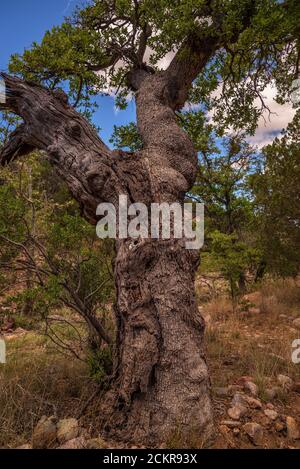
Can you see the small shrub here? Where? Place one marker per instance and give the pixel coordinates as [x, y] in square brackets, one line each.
[100, 364]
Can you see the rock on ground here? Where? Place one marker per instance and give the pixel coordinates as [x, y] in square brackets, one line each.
[67, 429]
[231, 423]
[237, 411]
[221, 392]
[251, 387]
[76, 443]
[285, 382]
[293, 432]
[296, 323]
[96, 443]
[254, 432]
[271, 414]
[273, 392]
[254, 403]
[44, 434]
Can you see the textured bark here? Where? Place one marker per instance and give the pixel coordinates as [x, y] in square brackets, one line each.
[160, 383]
[161, 375]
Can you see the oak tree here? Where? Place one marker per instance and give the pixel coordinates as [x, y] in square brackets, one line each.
[222, 54]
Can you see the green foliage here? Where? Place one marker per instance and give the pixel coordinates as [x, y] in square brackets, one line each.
[8, 123]
[100, 364]
[222, 184]
[127, 137]
[233, 257]
[44, 238]
[12, 213]
[258, 46]
[276, 191]
[101, 34]
[61, 61]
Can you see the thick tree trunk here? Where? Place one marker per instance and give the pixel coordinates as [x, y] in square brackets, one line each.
[161, 378]
[160, 384]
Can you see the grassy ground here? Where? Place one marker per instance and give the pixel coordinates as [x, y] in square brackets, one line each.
[245, 342]
[38, 379]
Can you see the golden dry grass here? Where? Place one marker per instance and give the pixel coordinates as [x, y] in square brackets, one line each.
[36, 381]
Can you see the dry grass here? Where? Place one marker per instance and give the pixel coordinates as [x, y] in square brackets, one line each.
[256, 345]
[280, 296]
[37, 380]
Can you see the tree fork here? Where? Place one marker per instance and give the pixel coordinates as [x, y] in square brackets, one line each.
[160, 383]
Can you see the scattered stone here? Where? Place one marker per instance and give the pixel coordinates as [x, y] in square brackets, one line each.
[285, 382]
[237, 411]
[251, 387]
[254, 297]
[233, 388]
[26, 446]
[243, 379]
[67, 429]
[236, 431]
[223, 429]
[44, 434]
[283, 316]
[269, 405]
[254, 403]
[279, 426]
[231, 423]
[292, 428]
[296, 323]
[271, 414]
[76, 443]
[221, 392]
[84, 433]
[254, 310]
[239, 398]
[96, 443]
[255, 432]
[16, 334]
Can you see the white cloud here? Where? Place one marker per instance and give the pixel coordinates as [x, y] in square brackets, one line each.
[270, 126]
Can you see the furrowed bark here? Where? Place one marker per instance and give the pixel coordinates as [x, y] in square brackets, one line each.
[160, 384]
[161, 379]
[92, 172]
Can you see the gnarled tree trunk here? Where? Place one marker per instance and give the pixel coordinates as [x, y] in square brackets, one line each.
[161, 376]
[161, 382]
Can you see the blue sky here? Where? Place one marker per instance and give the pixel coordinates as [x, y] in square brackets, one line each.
[25, 21]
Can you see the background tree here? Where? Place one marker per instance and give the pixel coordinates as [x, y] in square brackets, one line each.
[276, 191]
[222, 185]
[160, 375]
[46, 245]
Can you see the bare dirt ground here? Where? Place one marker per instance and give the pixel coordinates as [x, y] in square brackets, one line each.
[255, 384]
